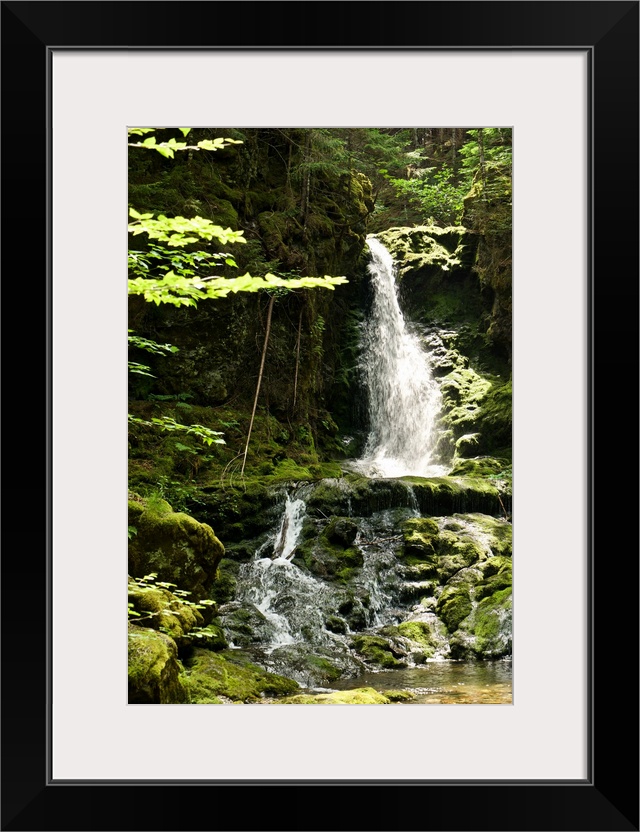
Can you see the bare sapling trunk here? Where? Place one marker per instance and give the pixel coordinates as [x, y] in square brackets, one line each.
[295, 380]
[255, 401]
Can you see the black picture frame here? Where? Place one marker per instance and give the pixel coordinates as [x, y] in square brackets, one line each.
[608, 798]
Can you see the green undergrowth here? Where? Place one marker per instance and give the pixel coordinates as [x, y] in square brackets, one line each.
[177, 465]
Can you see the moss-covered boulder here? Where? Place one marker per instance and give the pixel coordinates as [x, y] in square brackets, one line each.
[419, 535]
[160, 609]
[487, 633]
[456, 599]
[341, 531]
[443, 496]
[328, 550]
[174, 545]
[380, 651]
[155, 674]
[224, 587]
[314, 665]
[245, 624]
[428, 250]
[210, 676]
[492, 625]
[357, 696]
[456, 553]
[496, 576]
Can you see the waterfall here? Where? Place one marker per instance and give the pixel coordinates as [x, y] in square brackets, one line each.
[293, 602]
[404, 397]
[290, 528]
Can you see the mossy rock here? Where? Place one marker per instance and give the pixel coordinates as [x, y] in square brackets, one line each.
[378, 651]
[159, 609]
[245, 625]
[314, 665]
[238, 513]
[456, 553]
[209, 676]
[357, 696]
[400, 695]
[341, 530]
[155, 674]
[492, 625]
[444, 496]
[487, 633]
[497, 532]
[354, 610]
[336, 624]
[454, 605]
[329, 497]
[419, 534]
[177, 547]
[422, 249]
[485, 466]
[330, 554]
[418, 631]
[224, 586]
[497, 576]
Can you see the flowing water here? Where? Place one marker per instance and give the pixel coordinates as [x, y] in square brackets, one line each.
[444, 683]
[404, 397]
[300, 612]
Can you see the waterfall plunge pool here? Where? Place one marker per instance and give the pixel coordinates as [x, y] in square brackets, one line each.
[443, 683]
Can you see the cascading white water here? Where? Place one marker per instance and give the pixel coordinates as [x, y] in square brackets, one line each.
[290, 600]
[404, 397]
[290, 528]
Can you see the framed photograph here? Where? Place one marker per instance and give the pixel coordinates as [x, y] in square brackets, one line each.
[558, 83]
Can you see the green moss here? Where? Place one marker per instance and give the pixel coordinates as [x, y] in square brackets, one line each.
[329, 671]
[175, 546]
[419, 534]
[357, 696]
[399, 695]
[492, 625]
[478, 467]
[455, 553]
[335, 624]
[210, 675]
[422, 247]
[331, 554]
[287, 469]
[376, 650]
[496, 578]
[153, 668]
[443, 496]
[161, 610]
[224, 587]
[341, 531]
[454, 605]
[418, 631]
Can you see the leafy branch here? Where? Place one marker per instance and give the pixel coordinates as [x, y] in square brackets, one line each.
[208, 436]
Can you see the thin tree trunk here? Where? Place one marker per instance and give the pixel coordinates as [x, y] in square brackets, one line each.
[295, 380]
[306, 179]
[483, 170]
[255, 401]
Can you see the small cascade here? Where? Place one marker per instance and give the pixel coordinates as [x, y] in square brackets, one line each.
[404, 397]
[290, 527]
[379, 577]
[293, 603]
